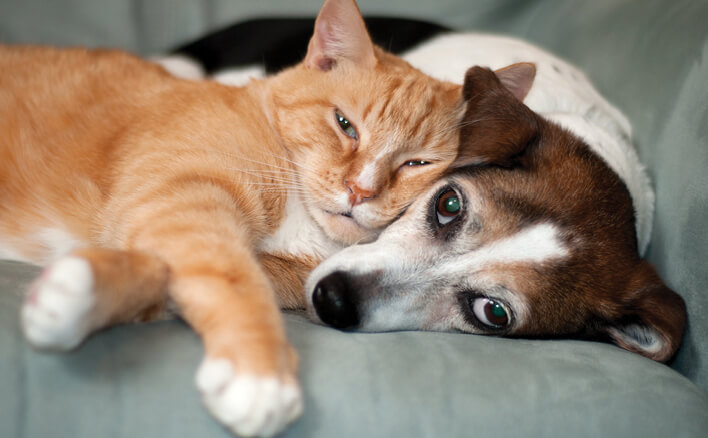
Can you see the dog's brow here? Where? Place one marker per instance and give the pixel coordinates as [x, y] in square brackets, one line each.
[536, 243]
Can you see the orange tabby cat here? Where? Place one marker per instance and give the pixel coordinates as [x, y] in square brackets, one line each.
[145, 192]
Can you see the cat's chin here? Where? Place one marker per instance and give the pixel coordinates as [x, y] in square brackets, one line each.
[345, 229]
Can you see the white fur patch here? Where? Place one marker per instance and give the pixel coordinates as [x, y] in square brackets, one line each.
[57, 312]
[298, 233]
[640, 336]
[394, 314]
[366, 178]
[535, 244]
[342, 200]
[248, 405]
[181, 66]
[239, 77]
[57, 242]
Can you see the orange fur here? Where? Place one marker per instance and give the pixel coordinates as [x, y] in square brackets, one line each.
[169, 188]
[130, 286]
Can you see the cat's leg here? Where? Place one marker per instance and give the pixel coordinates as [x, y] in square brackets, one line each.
[90, 289]
[248, 377]
[288, 274]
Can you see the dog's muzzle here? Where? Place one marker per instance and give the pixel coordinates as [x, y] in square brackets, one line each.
[335, 300]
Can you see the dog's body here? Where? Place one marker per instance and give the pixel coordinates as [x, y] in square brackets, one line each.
[541, 236]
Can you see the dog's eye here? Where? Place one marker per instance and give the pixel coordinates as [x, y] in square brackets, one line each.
[447, 207]
[490, 312]
[345, 125]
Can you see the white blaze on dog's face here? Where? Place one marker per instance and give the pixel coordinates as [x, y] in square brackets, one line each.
[533, 235]
[442, 266]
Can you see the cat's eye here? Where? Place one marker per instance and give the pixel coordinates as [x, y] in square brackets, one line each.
[345, 125]
[448, 206]
[414, 163]
[489, 312]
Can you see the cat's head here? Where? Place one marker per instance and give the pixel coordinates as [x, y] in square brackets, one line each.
[369, 131]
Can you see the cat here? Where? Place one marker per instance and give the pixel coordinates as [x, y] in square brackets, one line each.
[145, 194]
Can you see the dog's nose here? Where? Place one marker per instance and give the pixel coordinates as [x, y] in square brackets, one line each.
[334, 302]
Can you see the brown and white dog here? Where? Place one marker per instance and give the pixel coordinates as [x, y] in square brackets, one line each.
[540, 236]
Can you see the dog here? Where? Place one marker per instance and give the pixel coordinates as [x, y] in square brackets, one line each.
[541, 235]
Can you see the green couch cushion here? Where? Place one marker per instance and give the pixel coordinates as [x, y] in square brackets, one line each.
[137, 381]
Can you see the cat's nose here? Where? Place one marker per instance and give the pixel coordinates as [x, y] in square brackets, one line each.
[357, 195]
[334, 301]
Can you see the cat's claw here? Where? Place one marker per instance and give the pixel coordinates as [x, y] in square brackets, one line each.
[57, 311]
[248, 405]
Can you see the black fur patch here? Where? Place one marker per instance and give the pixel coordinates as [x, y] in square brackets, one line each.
[278, 43]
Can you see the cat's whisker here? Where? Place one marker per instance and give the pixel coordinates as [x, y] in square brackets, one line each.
[274, 177]
[267, 164]
[265, 184]
[251, 160]
[281, 181]
[300, 165]
[265, 172]
[268, 175]
[283, 190]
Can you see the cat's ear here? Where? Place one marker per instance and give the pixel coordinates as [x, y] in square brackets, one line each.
[340, 34]
[653, 318]
[496, 127]
[517, 78]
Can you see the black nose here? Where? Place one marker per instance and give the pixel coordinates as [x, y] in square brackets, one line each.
[334, 301]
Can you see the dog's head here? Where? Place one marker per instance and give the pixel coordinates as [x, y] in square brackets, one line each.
[532, 235]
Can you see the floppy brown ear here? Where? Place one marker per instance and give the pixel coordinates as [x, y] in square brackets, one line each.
[654, 317]
[496, 127]
[340, 33]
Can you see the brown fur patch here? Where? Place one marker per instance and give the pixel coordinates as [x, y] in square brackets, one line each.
[534, 171]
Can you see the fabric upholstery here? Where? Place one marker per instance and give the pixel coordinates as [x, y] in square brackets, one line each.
[137, 381]
[648, 57]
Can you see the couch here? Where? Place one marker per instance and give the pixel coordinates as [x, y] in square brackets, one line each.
[649, 57]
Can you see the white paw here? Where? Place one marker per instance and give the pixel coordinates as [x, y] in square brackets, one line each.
[248, 405]
[57, 311]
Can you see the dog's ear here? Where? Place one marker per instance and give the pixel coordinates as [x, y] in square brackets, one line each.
[340, 33]
[496, 127]
[517, 78]
[653, 319]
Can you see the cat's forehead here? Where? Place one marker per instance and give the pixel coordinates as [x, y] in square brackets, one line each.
[395, 89]
[413, 105]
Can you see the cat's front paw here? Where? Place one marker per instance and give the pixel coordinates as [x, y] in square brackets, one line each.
[248, 405]
[57, 311]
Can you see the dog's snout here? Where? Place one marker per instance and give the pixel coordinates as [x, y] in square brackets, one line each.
[334, 301]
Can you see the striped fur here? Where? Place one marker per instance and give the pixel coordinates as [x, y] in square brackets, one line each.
[176, 191]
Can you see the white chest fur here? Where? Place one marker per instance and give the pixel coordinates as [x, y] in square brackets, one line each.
[298, 234]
